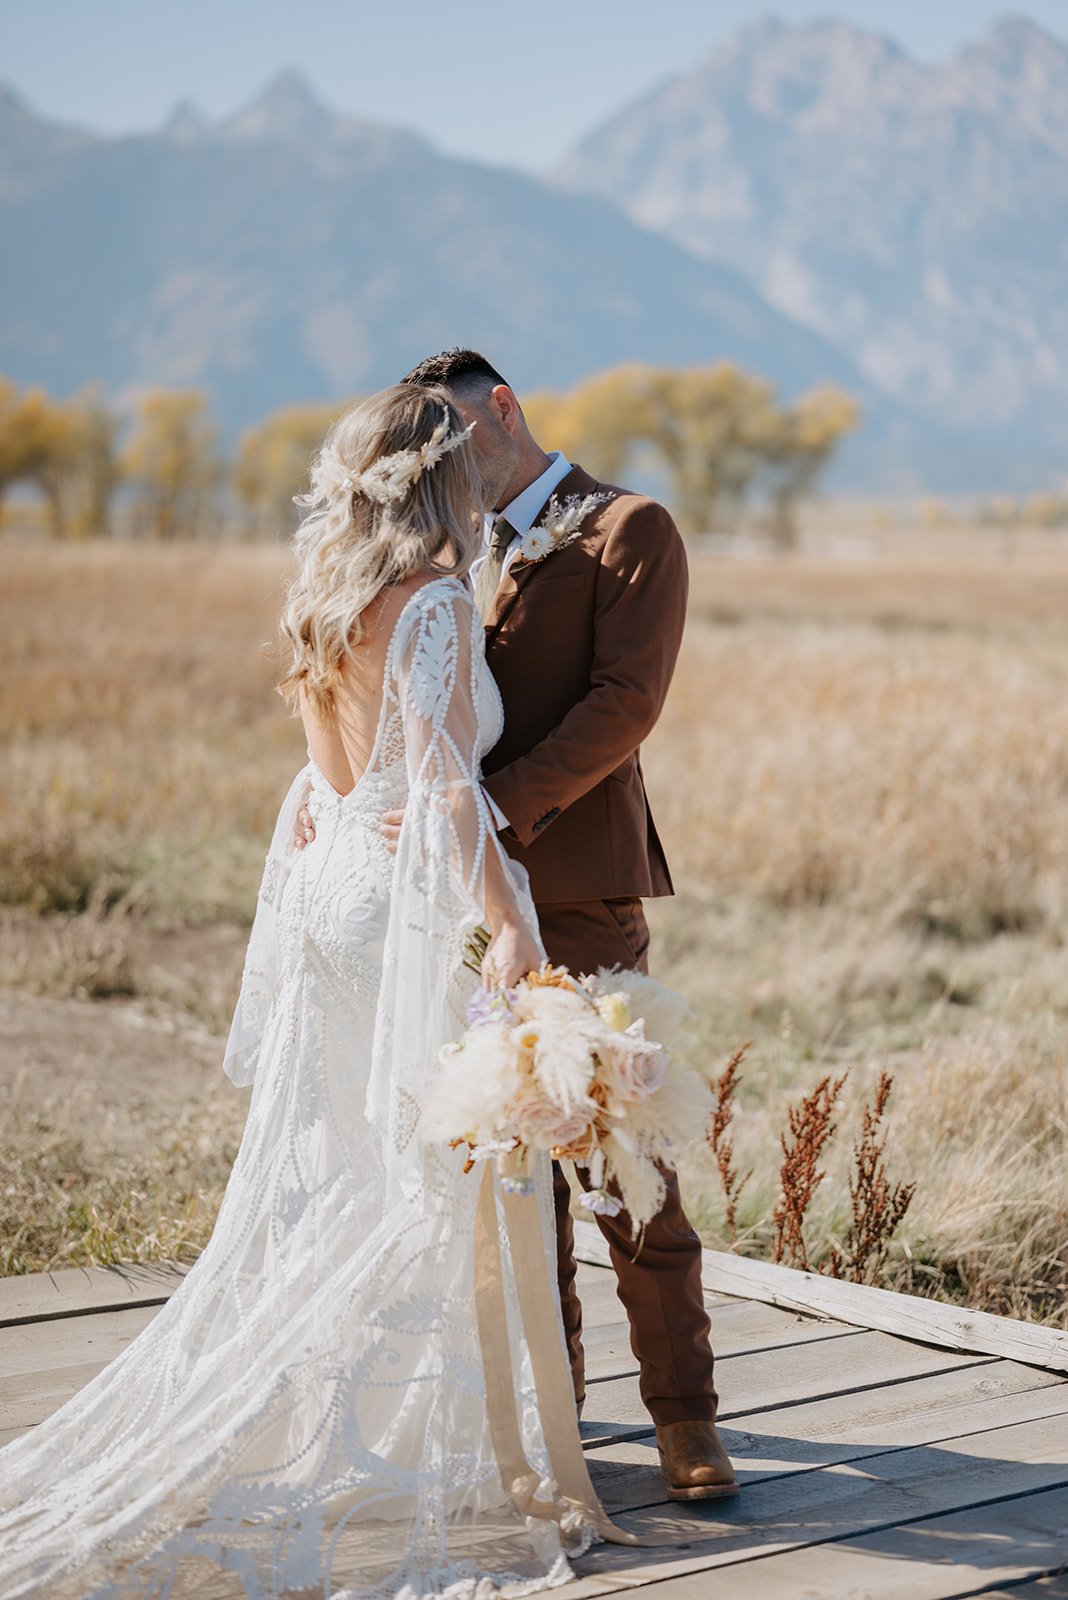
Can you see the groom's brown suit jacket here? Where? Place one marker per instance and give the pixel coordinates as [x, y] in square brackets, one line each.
[583, 645]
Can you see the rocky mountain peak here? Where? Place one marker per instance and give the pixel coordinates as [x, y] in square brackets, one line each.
[826, 56]
[287, 111]
[915, 214]
[26, 137]
[1018, 72]
[186, 123]
[1016, 46]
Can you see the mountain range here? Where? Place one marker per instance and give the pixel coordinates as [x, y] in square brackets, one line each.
[808, 201]
[914, 216]
[288, 254]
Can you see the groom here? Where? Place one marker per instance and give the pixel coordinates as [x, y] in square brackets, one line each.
[583, 643]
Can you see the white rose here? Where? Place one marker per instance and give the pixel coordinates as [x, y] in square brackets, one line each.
[635, 1066]
[541, 1124]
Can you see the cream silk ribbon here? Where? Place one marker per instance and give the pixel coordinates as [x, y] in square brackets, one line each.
[576, 1500]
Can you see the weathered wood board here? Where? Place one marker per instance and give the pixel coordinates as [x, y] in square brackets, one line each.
[872, 1466]
[77, 1291]
[907, 1316]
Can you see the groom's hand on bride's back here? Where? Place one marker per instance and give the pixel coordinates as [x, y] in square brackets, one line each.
[389, 826]
[303, 827]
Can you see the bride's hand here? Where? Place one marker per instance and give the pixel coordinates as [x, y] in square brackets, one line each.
[513, 952]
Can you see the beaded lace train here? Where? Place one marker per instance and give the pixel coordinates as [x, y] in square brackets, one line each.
[306, 1416]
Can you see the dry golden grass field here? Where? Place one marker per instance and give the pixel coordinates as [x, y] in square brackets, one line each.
[862, 779]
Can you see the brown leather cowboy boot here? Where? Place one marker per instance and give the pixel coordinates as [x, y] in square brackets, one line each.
[694, 1461]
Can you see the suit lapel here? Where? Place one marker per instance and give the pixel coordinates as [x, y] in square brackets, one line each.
[508, 592]
[518, 572]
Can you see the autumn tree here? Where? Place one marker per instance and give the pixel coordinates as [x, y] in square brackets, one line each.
[65, 449]
[273, 460]
[30, 434]
[598, 422]
[97, 473]
[80, 473]
[719, 433]
[798, 447]
[171, 461]
[1043, 509]
[714, 426]
[546, 414]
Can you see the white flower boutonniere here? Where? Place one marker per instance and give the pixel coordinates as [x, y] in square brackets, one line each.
[561, 523]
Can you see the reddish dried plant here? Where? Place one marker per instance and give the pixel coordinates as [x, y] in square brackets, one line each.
[722, 1144]
[878, 1207]
[811, 1124]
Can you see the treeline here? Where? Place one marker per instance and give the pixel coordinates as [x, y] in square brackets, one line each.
[717, 437]
[158, 474]
[1043, 509]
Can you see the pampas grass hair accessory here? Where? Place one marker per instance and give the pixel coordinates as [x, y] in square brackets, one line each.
[390, 477]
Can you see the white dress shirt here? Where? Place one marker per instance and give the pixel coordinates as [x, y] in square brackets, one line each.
[520, 512]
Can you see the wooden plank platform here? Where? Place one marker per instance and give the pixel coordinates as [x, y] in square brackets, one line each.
[872, 1464]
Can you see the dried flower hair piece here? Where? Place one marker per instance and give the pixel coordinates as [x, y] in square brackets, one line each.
[390, 477]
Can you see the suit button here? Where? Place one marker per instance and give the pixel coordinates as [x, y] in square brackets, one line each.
[543, 822]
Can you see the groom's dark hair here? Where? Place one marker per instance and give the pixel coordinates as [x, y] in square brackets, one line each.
[462, 372]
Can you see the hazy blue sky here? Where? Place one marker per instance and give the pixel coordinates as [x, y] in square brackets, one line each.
[485, 78]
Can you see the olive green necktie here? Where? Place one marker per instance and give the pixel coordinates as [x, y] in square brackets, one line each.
[489, 574]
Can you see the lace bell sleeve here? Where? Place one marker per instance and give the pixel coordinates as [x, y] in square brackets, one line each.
[450, 866]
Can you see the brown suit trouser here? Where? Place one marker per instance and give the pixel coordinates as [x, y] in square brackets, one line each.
[661, 1290]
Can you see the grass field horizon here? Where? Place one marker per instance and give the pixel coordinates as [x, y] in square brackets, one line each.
[861, 778]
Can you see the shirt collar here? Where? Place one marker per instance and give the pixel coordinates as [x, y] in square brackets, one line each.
[521, 511]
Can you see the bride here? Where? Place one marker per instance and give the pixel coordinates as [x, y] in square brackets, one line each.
[307, 1416]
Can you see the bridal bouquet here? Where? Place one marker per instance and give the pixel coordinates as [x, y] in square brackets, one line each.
[587, 1069]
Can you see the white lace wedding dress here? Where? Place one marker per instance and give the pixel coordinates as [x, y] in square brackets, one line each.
[307, 1414]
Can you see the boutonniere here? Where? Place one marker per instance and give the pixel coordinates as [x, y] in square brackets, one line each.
[561, 523]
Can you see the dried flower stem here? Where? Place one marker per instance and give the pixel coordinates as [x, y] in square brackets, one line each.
[721, 1145]
[811, 1124]
[475, 950]
[878, 1207]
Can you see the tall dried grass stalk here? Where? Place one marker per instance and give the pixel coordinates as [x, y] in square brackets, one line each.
[878, 1206]
[722, 1145]
[811, 1124]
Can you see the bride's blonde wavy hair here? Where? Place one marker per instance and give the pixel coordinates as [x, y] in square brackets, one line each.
[366, 529]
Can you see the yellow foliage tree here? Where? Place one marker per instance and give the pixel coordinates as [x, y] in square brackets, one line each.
[598, 422]
[64, 448]
[97, 471]
[800, 445]
[171, 461]
[714, 427]
[273, 460]
[1044, 509]
[717, 431]
[546, 414]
